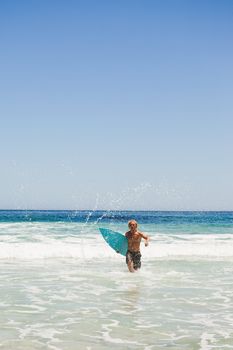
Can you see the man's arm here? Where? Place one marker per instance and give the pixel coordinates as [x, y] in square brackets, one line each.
[145, 237]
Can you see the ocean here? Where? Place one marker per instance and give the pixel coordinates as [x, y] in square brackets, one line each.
[63, 288]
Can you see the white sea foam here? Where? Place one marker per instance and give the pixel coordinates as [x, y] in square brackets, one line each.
[72, 240]
[202, 246]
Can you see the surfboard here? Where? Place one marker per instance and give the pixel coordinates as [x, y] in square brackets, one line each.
[115, 240]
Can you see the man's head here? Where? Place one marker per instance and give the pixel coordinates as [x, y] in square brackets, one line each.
[132, 224]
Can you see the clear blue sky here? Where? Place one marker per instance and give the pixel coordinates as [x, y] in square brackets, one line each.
[116, 104]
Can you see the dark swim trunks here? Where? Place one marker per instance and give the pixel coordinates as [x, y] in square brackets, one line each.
[135, 257]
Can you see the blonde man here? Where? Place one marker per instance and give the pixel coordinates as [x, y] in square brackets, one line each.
[133, 255]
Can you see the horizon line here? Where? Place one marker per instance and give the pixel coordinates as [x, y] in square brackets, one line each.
[125, 210]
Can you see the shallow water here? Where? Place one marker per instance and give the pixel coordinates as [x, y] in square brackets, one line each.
[62, 287]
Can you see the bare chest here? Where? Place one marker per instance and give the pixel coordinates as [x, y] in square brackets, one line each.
[134, 238]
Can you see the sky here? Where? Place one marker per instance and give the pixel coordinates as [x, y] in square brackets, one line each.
[116, 104]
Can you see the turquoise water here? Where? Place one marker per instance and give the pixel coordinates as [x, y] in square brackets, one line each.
[62, 287]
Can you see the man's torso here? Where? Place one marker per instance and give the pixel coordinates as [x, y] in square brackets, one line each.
[134, 240]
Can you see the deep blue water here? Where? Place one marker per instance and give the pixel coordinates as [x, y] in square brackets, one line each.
[215, 218]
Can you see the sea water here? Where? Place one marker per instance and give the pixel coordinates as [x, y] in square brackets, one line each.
[62, 287]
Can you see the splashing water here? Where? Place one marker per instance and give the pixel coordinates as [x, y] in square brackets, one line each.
[61, 285]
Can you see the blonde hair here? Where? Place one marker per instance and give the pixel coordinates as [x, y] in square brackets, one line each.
[132, 222]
